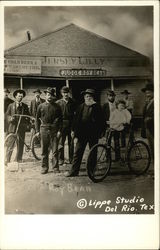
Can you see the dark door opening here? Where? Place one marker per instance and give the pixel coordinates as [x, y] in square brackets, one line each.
[78, 86]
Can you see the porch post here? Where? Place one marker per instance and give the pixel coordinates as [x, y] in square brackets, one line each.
[112, 84]
[67, 83]
[21, 83]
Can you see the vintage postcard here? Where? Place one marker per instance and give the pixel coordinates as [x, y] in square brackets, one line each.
[80, 124]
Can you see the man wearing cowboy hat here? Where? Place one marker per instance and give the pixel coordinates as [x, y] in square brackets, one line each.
[148, 116]
[49, 125]
[129, 103]
[110, 105]
[35, 102]
[7, 101]
[88, 126]
[68, 109]
[17, 107]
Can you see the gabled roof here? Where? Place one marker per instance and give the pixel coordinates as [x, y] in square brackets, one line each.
[72, 40]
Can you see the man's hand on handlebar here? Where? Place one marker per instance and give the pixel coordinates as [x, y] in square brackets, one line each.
[13, 118]
[38, 134]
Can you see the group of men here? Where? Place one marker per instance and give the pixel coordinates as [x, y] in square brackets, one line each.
[56, 120]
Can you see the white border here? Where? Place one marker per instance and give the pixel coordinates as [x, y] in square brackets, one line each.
[84, 231]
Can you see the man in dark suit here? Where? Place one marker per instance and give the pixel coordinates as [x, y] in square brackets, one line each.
[148, 116]
[88, 126]
[7, 101]
[49, 126]
[17, 107]
[35, 102]
[68, 109]
[110, 105]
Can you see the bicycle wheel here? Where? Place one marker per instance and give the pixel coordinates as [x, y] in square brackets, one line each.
[10, 145]
[139, 157]
[98, 163]
[36, 147]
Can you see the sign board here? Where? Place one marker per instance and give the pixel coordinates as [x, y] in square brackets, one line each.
[83, 72]
[74, 61]
[22, 66]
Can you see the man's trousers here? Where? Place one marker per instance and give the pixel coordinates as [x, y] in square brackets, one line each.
[49, 143]
[79, 151]
[66, 133]
[20, 146]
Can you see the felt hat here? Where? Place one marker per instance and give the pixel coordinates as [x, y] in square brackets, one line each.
[125, 92]
[65, 89]
[50, 90]
[37, 90]
[111, 92]
[149, 86]
[21, 91]
[88, 91]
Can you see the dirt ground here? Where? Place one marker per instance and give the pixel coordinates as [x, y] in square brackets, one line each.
[29, 192]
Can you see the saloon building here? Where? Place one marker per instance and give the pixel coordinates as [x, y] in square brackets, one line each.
[80, 59]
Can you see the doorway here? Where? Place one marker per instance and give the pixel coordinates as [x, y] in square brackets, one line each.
[77, 86]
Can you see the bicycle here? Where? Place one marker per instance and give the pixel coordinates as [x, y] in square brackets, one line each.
[11, 141]
[137, 156]
[36, 147]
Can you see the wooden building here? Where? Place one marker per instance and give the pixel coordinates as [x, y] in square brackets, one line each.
[80, 59]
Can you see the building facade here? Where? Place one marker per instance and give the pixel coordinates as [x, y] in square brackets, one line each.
[80, 59]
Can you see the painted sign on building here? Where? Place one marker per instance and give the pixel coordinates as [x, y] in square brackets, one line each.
[73, 61]
[83, 72]
[22, 66]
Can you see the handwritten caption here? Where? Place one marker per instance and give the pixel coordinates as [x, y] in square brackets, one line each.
[68, 188]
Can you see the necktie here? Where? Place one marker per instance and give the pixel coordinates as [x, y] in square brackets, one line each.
[19, 108]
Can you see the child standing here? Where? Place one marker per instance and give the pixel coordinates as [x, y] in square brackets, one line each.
[118, 119]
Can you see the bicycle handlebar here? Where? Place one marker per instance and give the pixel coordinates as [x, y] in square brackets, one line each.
[27, 116]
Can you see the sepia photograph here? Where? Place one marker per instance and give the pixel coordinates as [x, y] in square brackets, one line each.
[79, 125]
[79, 110]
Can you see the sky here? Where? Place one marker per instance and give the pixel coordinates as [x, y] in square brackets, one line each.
[131, 26]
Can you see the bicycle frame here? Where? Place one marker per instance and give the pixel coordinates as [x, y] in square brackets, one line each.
[131, 140]
[28, 147]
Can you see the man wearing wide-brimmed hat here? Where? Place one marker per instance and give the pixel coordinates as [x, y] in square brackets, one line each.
[128, 101]
[35, 102]
[20, 108]
[87, 127]
[7, 101]
[68, 108]
[110, 105]
[148, 116]
[49, 126]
